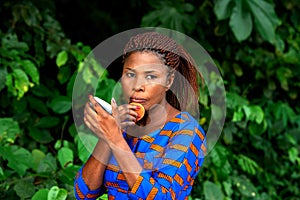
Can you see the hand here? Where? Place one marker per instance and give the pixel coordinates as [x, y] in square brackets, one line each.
[104, 125]
[124, 114]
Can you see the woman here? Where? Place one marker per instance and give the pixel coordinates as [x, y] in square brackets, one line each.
[159, 156]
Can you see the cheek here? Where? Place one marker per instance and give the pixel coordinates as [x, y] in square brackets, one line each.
[125, 86]
[157, 91]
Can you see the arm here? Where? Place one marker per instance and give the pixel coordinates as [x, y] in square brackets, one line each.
[89, 180]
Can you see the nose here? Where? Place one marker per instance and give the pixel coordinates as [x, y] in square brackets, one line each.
[139, 85]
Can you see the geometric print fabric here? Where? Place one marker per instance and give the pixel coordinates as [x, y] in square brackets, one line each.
[171, 159]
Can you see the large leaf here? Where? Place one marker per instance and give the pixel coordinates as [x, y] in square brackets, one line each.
[41, 135]
[47, 122]
[41, 194]
[21, 82]
[61, 104]
[212, 191]
[171, 15]
[25, 188]
[254, 113]
[265, 18]
[222, 9]
[57, 193]
[240, 21]
[19, 159]
[30, 68]
[65, 156]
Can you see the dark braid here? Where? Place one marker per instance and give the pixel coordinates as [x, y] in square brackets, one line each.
[183, 94]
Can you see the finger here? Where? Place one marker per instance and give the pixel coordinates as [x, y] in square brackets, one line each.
[90, 117]
[98, 108]
[127, 110]
[128, 118]
[115, 111]
[127, 124]
[126, 107]
[90, 110]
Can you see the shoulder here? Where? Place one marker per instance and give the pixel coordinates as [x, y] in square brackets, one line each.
[184, 120]
[185, 123]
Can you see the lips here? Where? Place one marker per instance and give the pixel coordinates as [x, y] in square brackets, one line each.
[137, 100]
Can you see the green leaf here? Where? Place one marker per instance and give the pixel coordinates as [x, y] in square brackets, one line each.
[64, 74]
[212, 191]
[293, 154]
[237, 116]
[61, 104]
[41, 194]
[21, 82]
[65, 157]
[47, 165]
[171, 15]
[19, 159]
[218, 156]
[37, 156]
[67, 174]
[30, 15]
[61, 58]
[42, 91]
[47, 122]
[228, 188]
[254, 113]
[237, 69]
[234, 101]
[284, 74]
[40, 135]
[265, 18]
[283, 112]
[10, 41]
[247, 164]
[222, 9]
[25, 188]
[240, 21]
[57, 193]
[257, 129]
[245, 187]
[38, 105]
[9, 130]
[30, 68]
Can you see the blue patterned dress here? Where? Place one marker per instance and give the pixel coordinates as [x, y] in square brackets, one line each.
[171, 158]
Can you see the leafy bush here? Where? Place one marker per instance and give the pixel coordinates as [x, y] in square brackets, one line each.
[255, 45]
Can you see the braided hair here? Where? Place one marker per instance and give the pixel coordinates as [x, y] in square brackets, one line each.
[183, 94]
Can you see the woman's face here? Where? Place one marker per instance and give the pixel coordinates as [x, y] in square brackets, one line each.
[145, 79]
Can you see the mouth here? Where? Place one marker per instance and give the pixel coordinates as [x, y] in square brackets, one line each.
[137, 100]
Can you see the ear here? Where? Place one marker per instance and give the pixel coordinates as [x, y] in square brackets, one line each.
[170, 79]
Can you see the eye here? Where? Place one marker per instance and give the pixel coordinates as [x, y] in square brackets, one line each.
[150, 77]
[130, 75]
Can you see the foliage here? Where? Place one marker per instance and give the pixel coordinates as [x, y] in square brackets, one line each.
[254, 43]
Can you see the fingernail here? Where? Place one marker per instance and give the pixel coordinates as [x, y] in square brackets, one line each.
[113, 100]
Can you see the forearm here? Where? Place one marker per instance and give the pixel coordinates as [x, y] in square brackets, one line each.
[127, 161]
[93, 170]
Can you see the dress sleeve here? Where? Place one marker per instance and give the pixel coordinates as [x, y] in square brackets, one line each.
[82, 191]
[176, 168]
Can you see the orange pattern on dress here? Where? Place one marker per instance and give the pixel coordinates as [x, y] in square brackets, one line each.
[172, 162]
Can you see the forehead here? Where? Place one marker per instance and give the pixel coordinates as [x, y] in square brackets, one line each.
[144, 61]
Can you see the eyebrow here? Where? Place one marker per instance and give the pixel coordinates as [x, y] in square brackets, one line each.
[147, 72]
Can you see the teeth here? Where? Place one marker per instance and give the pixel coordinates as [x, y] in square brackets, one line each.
[106, 106]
